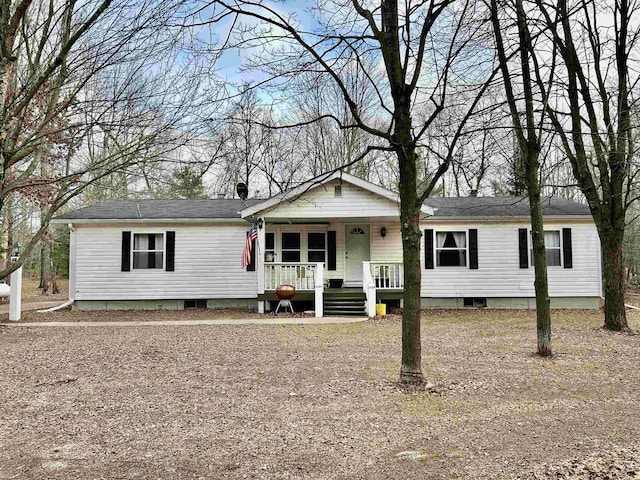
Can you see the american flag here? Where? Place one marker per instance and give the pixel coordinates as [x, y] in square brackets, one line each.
[252, 234]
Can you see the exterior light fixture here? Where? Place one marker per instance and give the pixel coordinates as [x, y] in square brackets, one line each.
[383, 232]
[260, 223]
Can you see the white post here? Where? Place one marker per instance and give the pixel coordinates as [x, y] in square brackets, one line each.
[260, 246]
[15, 297]
[72, 262]
[369, 289]
[319, 290]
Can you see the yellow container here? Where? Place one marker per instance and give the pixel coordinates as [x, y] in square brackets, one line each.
[381, 309]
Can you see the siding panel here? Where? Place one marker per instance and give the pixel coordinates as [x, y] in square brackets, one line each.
[500, 274]
[207, 265]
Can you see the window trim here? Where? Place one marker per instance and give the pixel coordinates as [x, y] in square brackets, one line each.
[163, 251]
[436, 249]
[559, 248]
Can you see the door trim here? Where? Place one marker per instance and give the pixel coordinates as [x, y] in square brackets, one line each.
[344, 250]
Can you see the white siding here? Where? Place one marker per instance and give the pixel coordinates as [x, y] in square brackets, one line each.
[207, 262]
[207, 265]
[389, 248]
[499, 273]
[321, 202]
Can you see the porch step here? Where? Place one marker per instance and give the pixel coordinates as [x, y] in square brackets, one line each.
[346, 304]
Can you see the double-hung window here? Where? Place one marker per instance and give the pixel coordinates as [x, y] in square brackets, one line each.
[316, 247]
[270, 247]
[451, 249]
[552, 246]
[291, 246]
[148, 251]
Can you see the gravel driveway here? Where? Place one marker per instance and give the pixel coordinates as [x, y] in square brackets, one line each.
[320, 402]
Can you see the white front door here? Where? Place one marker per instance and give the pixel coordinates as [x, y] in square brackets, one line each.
[356, 250]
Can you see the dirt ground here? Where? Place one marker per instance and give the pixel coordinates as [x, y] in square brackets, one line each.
[31, 292]
[320, 402]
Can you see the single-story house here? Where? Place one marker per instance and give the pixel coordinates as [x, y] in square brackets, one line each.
[337, 239]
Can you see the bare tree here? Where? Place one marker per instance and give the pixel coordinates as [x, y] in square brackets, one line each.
[597, 84]
[418, 47]
[54, 59]
[528, 130]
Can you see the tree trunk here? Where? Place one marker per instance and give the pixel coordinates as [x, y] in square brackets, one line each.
[543, 314]
[52, 269]
[615, 316]
[411, 370]
[43, 267]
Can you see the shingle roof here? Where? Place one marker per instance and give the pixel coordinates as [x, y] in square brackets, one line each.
[501, 206]
[230, 208]
[161, 209]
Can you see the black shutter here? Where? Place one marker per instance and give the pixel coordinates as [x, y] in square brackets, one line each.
[171, 251]
[126, 252]
[473, 248]
[567, 251]
[331, 250]
[252, 262]
[428, 248]
[524, 247]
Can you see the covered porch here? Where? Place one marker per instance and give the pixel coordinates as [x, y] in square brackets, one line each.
[328, 260]
[329, 235]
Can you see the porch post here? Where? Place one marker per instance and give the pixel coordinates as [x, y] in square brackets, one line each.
[15, 296]
[319, 290]
[369, 288]
[260, 246]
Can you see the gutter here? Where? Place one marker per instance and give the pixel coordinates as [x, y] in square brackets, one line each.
[172, 221]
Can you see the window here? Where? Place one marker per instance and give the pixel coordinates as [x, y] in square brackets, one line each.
[291, 247]
[316, 247]
[451, 249]
[356, 231]
[552, 245]
[474, 302]
[148, 250]
[270, 247]
[337, 191]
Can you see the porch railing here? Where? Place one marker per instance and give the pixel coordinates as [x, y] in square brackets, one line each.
[387, 275]
[300, 275]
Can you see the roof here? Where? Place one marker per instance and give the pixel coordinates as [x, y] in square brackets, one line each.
[294, 193]
[502, 207]
[225, 208]
[203, 209]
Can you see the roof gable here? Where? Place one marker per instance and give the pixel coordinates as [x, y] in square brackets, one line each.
[316, 198]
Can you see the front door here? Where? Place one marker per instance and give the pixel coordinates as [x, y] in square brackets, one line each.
[356, 250]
